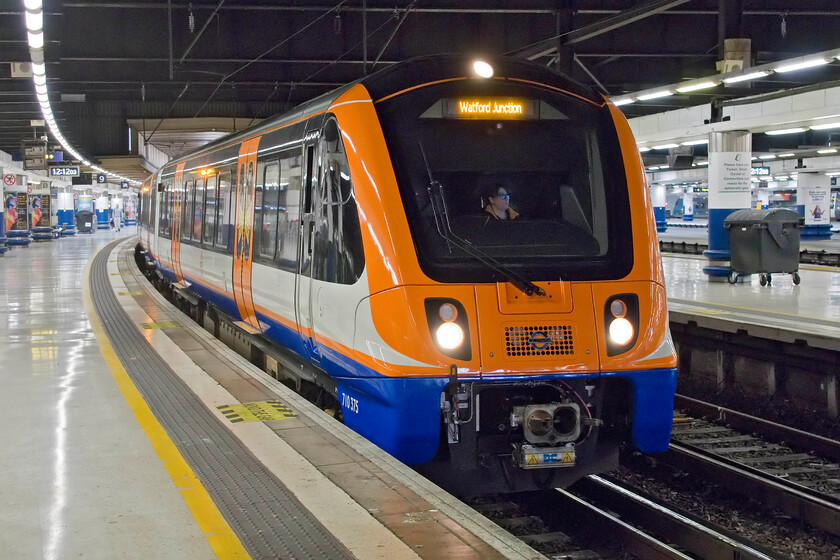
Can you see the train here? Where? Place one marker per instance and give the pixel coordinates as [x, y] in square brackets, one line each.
[458, 255]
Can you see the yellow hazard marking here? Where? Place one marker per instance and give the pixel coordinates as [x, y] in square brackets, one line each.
[256, 411]
[160, 325]
[221, 538]
[532, 460]
[132, 293]
[712, 311]
[567, 457]
[120, 273]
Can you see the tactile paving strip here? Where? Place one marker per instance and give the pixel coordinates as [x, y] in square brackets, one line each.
[268, 519]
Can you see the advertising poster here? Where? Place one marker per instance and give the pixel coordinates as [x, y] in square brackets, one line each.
[85, 204]
[10, 208]
[21, 218]
[40, 205]
[817, 206]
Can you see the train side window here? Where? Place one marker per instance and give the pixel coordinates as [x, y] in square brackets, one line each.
[288, 211]
[198, 209]
[211, 196]
[153, 196]
[187, 210]
[225, 227]
[270, 203]
[165, 212]
[340, 255]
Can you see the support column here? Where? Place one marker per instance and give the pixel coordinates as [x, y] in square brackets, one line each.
[729, 190]
[813, 200]
[688, 204]
[102, 209]
[657, 195]
[66, 214]
[764, 197]
[3, 247]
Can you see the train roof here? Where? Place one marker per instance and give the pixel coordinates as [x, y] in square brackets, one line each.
[405, 75]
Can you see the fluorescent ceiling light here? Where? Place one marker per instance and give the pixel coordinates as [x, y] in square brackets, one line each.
[802, 65]
[620, 102]
[41, 89]
[695, 87]
[32, 4]
[664, 166]
[767, 156]
[696, 142]
[827, 151]
[665, 146]
[753, 158]
[656, 95]
[702, 163]
[39, 80]
[652, 167]
[791, 154]
[36, 40]
[643, 149]
[784, 131]
[39, 69]
[825, 126]
[34, 20]
[745, 77]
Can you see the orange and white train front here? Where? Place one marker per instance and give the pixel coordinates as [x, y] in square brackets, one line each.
[533, 339]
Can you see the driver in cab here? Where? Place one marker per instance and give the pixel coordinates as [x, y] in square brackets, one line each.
[498, 203]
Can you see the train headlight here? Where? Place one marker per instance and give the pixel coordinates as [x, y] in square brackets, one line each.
[449, 336]
[621, 331]
[621, 321]
[449, 327]
[483, 69]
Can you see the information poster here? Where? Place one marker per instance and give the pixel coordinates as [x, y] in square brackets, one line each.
[729, 180]
[21, 222]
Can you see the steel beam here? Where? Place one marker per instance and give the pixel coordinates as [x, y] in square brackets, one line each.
[605, 25]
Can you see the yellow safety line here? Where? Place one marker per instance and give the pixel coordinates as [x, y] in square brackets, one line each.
[219, 535]
[701, 303]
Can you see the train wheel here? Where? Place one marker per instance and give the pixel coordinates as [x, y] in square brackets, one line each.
[762, 279]
[796, 279]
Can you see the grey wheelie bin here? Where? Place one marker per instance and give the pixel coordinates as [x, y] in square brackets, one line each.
[763, 242]
[84, 221]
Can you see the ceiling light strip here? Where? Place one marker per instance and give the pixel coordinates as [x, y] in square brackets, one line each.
[34, 17]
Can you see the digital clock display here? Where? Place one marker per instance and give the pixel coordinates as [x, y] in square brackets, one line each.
[64, 171]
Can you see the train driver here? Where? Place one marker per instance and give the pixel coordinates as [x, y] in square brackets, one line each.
[498, 202]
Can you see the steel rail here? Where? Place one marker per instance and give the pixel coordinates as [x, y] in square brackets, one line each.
[805, 441]
[793, 499]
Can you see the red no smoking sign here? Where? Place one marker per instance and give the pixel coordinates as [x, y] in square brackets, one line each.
[9, 180]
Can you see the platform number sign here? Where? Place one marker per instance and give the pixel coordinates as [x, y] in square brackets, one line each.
[9, 180]
[101, 178]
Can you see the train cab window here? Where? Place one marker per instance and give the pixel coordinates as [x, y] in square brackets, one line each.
[288, 211]
[556, 156]
[210, 204]
[270, 203]
[198, 209]
[338, 254]
[224, 229]
[187, 210]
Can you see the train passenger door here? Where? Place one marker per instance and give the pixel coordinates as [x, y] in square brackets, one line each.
[304, 280]
[175, 221]
[243, 232]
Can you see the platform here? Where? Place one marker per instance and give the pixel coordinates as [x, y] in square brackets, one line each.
[781, 311]
[131, 432]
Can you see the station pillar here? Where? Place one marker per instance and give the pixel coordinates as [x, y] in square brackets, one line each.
[813, 200]
[102, 206]
[3, 247]
[729, 190]
[657, 195]
[66, 213]
[763, 198]
[688, 204]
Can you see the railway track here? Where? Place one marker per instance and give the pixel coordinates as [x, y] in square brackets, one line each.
[793, 471]
[600, 517]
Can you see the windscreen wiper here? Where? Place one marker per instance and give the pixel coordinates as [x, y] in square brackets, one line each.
[441, 214]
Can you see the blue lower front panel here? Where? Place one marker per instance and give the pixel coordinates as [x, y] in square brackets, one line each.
[653, 407]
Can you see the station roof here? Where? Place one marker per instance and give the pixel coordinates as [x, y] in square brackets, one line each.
[111, 62]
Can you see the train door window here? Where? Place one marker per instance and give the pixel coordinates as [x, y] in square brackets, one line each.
[210, 198]
[270, 203]
[288, 211]
[198, 209]
[187, 210]
[153, 196]
[257, 228]
[339, 253]
[225, 225]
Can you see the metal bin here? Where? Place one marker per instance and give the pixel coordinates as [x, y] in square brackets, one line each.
[763, 242]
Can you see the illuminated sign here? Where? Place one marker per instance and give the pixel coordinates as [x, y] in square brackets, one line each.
[491, 108]
[759, 171]
[64, 171]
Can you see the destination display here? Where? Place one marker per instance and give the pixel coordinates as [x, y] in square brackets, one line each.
[491, 108]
